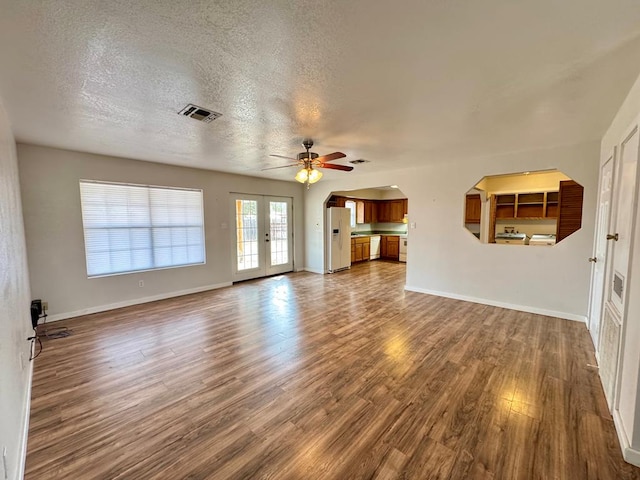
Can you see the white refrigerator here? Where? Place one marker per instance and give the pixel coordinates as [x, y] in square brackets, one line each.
[339, 238]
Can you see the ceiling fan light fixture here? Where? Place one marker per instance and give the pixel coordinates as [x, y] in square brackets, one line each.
[302, 176]
[314, 175]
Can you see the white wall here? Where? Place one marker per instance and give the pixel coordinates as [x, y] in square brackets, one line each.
[55, 242]
[444, 258]
[629, 400]
[15, 369]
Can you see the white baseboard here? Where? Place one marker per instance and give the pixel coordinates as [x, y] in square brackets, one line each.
[510, 306]
[135, 301]
[314, 270]
[27, 415]
[630, 455]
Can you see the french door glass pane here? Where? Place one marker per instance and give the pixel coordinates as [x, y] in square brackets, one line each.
[247, 234]
[278, 233]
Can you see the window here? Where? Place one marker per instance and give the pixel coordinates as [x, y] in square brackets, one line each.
[128, 228]
[350, 204]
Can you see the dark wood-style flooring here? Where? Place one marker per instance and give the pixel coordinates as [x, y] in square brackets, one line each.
[307, 376]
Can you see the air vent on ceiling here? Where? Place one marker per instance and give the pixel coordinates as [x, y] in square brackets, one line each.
[359, 161]
[199, 113]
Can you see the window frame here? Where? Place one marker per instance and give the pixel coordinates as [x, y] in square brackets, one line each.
[352, 219]
[150, 227]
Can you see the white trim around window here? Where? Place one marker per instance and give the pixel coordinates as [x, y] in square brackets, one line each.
[132, 228]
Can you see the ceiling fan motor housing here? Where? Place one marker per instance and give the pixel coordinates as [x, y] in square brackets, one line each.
[307, 156]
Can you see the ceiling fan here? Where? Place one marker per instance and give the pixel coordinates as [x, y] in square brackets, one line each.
[309, 162]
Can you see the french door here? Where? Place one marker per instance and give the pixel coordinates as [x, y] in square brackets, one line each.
[262, 235]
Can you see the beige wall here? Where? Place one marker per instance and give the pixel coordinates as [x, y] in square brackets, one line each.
[444, 258]
[55, 240]
[15, 368]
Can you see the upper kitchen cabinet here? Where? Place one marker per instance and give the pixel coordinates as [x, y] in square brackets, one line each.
[472, 208]
[336, 201]
[392, 211]
[373, 205]
[366, 211]
[530, 208]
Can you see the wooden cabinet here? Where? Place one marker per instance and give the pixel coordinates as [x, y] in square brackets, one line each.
[506, 205]
[370, 212]
[336, 201]
[383, 211]
[360, 214]
[391, 211]
[569, 209]
[473, 206]
[551, 210]
[366, 211]
[396, 208]
[393, 248]
[374, 211]
[360, 249]
[530, 205]
[526, 206]
[390, 247]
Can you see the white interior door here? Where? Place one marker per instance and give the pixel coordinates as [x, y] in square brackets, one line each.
[613, 367]
[262, 235]
[601, 248]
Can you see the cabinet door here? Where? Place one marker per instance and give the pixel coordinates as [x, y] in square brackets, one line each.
[368, 211]
[383, 247]
[472, 208]
[383, 211]
[353, 250]
[396, 210]
[569, 209]
[366, 250]
[393, 248]
[374, 212]
[358, 252]
[360, 212]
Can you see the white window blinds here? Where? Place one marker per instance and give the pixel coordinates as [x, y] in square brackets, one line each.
[128, 228]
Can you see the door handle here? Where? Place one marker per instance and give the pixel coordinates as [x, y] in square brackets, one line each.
[593, 259]
[612, 236]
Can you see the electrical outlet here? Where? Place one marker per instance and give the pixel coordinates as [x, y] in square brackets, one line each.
[45, 306]
[141, 283]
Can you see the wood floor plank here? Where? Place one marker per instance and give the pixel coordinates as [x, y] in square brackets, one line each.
[343, 376]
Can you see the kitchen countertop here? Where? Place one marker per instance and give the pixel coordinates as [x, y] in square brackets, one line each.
[375, 234]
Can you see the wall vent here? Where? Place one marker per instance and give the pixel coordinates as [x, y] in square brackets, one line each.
[199, 113]
[618, 285]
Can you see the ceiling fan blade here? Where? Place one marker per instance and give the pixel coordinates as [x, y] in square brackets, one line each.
[330, 157]
[344, 168]
[281, 166]
[282, 156]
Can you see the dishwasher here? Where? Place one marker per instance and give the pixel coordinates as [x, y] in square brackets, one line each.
[374, 247]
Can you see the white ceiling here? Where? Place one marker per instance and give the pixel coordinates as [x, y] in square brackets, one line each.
[397, 83]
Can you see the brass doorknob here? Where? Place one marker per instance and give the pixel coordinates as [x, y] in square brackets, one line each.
[612, 236]
[593, 259]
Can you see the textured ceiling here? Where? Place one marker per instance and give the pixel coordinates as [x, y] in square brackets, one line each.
[397, 83]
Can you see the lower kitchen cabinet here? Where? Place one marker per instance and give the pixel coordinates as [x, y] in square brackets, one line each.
[390, 247]
[360, 249]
